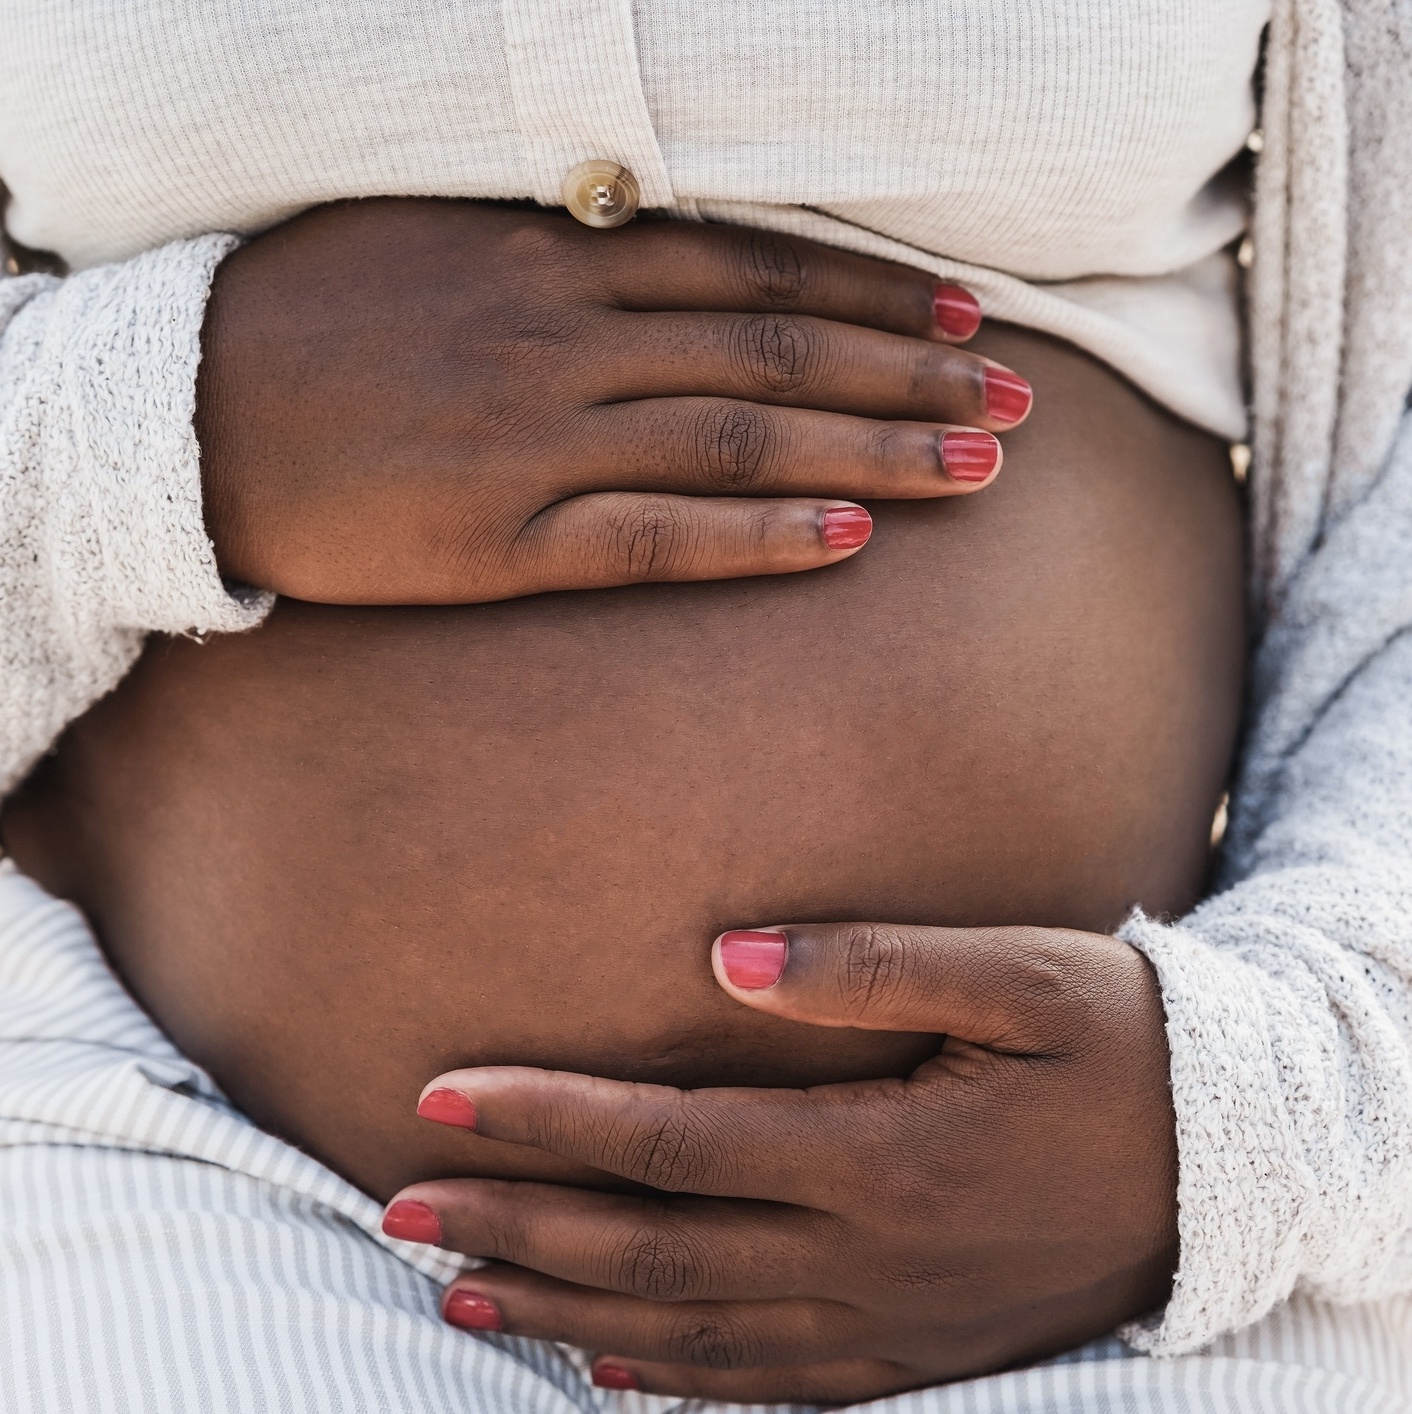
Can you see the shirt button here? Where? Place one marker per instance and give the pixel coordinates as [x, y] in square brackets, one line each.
[600, 193]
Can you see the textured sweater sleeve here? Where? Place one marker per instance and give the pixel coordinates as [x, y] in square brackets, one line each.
[101, 531]
[1289, 991]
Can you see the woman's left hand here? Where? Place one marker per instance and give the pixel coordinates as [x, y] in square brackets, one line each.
[1012, 1198]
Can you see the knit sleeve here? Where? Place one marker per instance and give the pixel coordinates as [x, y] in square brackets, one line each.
[1289, 991]
[101, 531]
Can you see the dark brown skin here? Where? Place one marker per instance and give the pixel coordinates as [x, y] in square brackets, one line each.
[436, 402]
[904, 1233]
[359, 848]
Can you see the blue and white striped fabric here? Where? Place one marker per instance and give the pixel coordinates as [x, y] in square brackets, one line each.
[160, 1254]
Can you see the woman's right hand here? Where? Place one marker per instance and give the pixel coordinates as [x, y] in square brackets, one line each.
[406, 401]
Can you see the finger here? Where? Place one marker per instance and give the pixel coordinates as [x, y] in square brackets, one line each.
[659, 1250]
[778, 1145]
[833, 1383]
[716, 1335]
[610, 538]
[807, 362]
[716, 446]
[1028, 990]
[735, 268]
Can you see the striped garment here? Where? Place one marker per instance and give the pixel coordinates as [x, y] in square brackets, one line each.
[159, 1254]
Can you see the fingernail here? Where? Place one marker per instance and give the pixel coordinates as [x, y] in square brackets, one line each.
[846, 527]
[607, 1375]
[969, 456]
[472, 1311]
[753, 961]
[958, 315]
[1007, 395]
[448, 1107]
[412, 1222]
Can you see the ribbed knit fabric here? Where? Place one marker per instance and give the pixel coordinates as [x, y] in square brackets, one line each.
[129, 122]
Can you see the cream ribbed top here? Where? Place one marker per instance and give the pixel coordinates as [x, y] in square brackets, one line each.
[1060, 157]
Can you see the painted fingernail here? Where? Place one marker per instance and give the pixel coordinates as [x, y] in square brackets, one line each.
[472, 1311]
[846, 527]
[958, 315]
[969, 456]
[607, 1375]
[753, 961]
[412, 1222]
[448, 1107]
[1007, 395]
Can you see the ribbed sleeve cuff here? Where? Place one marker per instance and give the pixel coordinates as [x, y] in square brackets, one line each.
[1238, 1193]
[132, 522]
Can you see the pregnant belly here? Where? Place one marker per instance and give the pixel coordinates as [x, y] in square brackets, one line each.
[359, 847]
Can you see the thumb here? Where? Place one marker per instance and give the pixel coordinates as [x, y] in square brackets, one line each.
[1012, 989]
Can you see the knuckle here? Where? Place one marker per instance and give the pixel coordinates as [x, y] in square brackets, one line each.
[531, 339]
[530, 324]
[1043, 976]
[874, 968]
[460, 538]
[932, 368]
[735, 445]
[565, 1124]
[1049, 983]
[659, 1265]
[1063, 992]
[885, 451]
[713, 1340]
[916, 1276]
[670, 1153]
[772, 270]
[501, 1228]
[778, 352]
[526, 355]
[543, 245]
[650, 540]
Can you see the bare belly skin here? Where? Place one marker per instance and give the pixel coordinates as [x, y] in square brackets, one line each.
[358, 847]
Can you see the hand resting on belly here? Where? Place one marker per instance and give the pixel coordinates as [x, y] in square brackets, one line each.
[363, 846]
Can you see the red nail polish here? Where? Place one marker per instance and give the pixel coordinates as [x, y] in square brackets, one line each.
[606, 1375]
[958, 315]
[753, 961]
[412, 1222]
[448, 1107]
[1007, 395]
[846, 527]
[969, 456]
[472, 1311]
